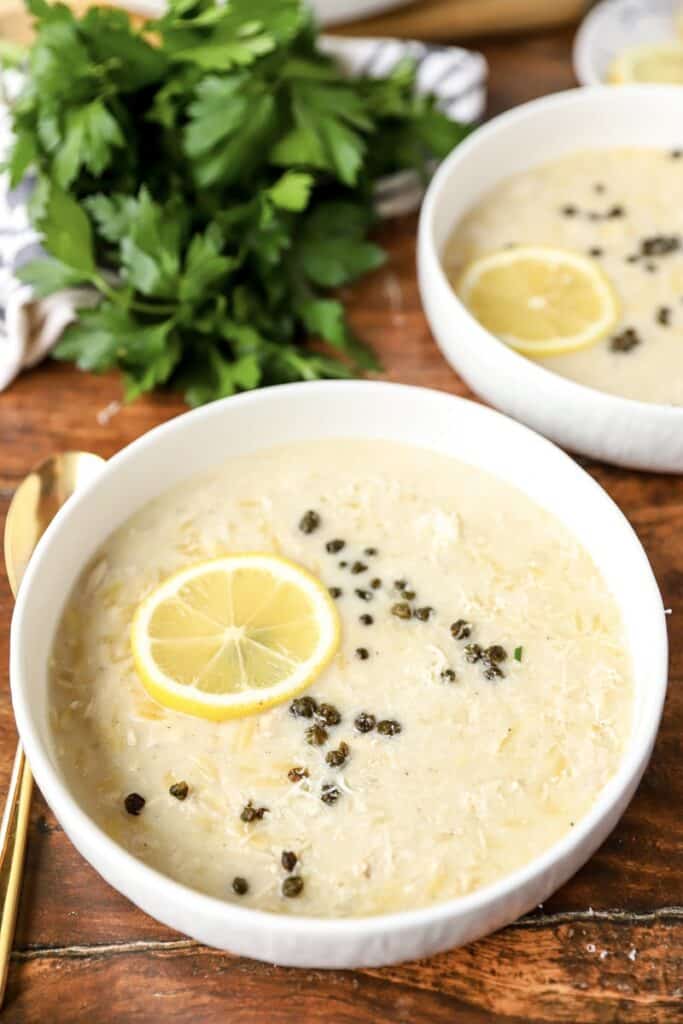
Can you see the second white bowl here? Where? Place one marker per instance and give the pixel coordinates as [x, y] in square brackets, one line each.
[315, 411]
[639, 435]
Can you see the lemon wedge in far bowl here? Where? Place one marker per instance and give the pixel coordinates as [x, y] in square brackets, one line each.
[651, 62]
[233, 636]
[539, 300]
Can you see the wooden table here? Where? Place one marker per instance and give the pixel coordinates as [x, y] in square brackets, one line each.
[607, 947]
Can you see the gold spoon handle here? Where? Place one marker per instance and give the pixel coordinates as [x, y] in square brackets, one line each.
[14, 846]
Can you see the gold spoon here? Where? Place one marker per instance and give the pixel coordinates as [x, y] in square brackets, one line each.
[36, 502]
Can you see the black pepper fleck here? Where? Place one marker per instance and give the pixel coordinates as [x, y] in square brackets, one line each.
[309, 522]
[240, 886]
[330, 793]
[615, 212]
[448, 675]
[297, 773]
[595, 251]
[362, 653]
[569, 210]
[371, 552]
[179, 790]
[366, 620]
[333, 546]
[358, 567]
[364, 595]
[376, 583]
[336, 592]
[473, 653]
[288, 860]
[134, 803]
[664, 316]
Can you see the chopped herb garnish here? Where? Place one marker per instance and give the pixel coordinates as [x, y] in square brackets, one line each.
[518, 653]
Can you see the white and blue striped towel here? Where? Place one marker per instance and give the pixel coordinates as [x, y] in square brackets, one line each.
[29, 328]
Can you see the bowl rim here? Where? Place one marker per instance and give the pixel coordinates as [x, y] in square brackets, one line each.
[59, 796]
[492, 350]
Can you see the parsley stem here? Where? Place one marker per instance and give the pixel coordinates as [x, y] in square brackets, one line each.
[136, 305]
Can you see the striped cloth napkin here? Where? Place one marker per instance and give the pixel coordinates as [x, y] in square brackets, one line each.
[29, 328]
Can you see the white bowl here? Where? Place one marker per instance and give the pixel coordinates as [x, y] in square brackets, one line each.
[201, 439]
[629, 433]
[614, 25]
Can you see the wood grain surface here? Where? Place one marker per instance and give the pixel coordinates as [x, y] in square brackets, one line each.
[608, 947]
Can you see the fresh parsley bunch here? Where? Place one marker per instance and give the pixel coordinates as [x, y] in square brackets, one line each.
[211, 175]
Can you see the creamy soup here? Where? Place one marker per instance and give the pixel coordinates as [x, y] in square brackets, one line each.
[492, 758]
[623, 208]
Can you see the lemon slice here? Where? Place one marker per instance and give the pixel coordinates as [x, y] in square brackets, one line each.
[540, 301]
[233, 636]
[651, 62]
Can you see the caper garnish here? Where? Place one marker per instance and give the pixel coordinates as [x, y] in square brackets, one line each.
[401, 610]
[303, 707]
[424, 614]
[495, 653]
[389, 727]
[250, 813]
[328, 714]
[493, 672]
[288, 860]
[316, 735]
[292, 886]
[364, 722]
[309, 522]
[461, 629]
[336, 758]
[134, 803]
[473, 652]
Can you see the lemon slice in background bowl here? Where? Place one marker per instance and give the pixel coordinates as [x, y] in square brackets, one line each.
[652, 62]
[233, 636]
[539, 300]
